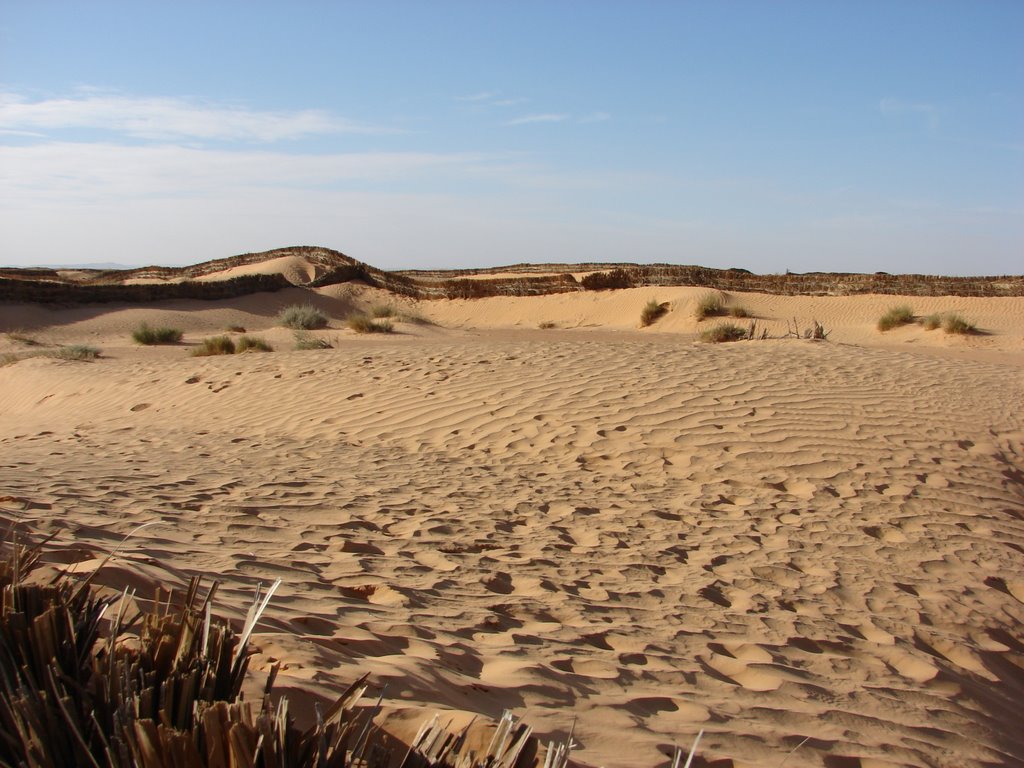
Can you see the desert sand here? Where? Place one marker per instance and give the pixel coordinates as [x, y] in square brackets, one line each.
[813, 551]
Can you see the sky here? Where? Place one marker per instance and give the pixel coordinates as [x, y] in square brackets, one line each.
[854, 136]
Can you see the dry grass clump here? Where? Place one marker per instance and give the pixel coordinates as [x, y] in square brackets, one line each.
[382, 310]
[950, 322]
[252, 344]
[307, 341]
[235, 329]
[414, 318]
[363, 324]
[144, 334]
[303, 317]
[74, 352]
[23, 338]
[216, 345]
[896, 317]
[709, 305]
[546, 325]
[652, 312]
[714, 304]
[954, 323]
[727, 332]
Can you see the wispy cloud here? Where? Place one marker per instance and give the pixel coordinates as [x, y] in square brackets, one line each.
[595, 117]
[167, 119]
[480, 96]
[93, 172]
[548, 117]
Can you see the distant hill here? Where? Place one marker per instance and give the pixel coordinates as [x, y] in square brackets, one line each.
[313, 267]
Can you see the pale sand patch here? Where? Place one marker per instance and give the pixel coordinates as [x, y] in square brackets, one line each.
[767, 540]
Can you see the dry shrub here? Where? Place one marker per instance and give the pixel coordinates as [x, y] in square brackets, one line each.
[252, 344]
[144, 334]
[547, 325]
[74, 352]
[895, 317]
[727, 332]
[216, 345]
[738, 312]
[235, 329]
[303, 317]
[363, 324]
[382, 310]
[652, 312]
[954, 323]
[307, 341]
[932, 322]
[709, 305]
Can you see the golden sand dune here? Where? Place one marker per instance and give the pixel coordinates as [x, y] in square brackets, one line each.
[780, 542]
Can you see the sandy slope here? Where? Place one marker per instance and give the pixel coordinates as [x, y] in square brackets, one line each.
[769, 541]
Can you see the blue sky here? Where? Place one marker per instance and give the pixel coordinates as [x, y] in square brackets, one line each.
[837, 136]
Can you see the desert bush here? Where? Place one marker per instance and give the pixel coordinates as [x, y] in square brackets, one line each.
[363, 324]
[652, 312]
[709, 305]
[306, 341]
[382, 310]
[932, 322]
[216, 345]
[75, 352]
[144, 334]
[738, 312]
[252, 344]
[895, 317]
[546, 325]
[415, 318]
[953, 323]
[23, 338]
[726, 332]
[235, 329]
[304, 317]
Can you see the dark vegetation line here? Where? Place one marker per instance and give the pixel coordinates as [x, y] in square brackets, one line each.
[95, 286]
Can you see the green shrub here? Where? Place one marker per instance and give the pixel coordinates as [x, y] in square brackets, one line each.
[252, 344]
[932, 322]
[895, 317]
[709, 305]
[651, 312]
[738, 312]
[304, 317]
[304, 341]
[726, 332]
[216, 345]
[953, 323]
[363, 324]
[146, 335]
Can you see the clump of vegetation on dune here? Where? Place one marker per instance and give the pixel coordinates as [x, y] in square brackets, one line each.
[727, 332]
[364, 324]
[252, 344]
[303, 317]
[146, 335]
[307, 341]
[216, 345]
[652, 312]
[950, 322]
[896, 317]
[74, 352]
[715, 304]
